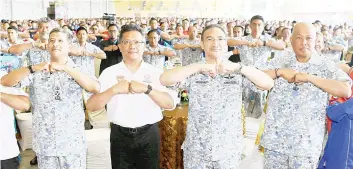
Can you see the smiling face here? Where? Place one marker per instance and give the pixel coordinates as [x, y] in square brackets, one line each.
[132, 45]
[214, 43]
[58, 45]
[82, 36]
[303, 39]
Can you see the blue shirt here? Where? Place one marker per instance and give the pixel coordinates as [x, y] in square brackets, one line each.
[339, 148]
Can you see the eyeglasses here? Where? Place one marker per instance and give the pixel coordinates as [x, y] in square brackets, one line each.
[113, 31]
[135, 42]
[212, 40]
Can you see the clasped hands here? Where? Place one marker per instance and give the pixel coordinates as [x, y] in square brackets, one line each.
[49, 67]
[126, 87]
[220, 67]
[256, 43]
[292, 76]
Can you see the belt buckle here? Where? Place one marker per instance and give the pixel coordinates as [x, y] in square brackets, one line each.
[133, 130]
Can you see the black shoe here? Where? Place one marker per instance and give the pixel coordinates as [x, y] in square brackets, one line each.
[34, 161]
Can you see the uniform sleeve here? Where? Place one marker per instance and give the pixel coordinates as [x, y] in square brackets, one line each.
[335, 73]
[90, 74]
[27, 81]
[158, 86]
[249, 84]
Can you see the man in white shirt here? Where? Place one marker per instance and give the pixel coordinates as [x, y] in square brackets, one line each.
[134, 97]
[11, 98]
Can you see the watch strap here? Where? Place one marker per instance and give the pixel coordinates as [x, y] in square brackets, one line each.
[149, 89]
[30, 69]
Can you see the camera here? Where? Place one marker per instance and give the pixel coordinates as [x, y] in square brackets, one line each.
[109, 17]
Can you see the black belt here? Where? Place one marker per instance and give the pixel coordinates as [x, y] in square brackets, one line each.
[134, 130]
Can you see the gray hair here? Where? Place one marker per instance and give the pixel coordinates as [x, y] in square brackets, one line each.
[42, 21]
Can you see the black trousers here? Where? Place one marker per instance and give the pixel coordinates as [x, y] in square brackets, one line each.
[11, 163]
[135, 148]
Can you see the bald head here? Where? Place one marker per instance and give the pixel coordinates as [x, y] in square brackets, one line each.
[303, 39]
[303, 27]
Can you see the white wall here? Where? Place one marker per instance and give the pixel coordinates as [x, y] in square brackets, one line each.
[23, 9]
[89, 8]
[306, 10]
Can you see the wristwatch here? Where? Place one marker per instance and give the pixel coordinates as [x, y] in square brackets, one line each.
[30, 69]
[149, 89]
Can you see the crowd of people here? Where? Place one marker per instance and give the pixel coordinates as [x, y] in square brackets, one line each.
[134, 67]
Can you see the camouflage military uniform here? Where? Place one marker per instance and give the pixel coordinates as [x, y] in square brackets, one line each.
[189, 55]
[214, 132]
[257, 57]
[58, 119]
[295, 122]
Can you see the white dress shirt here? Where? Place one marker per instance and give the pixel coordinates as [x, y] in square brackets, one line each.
[8, 142]
[133, 110]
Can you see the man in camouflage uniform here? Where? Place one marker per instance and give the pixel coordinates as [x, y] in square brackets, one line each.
[214, 132]
[255, 55]
[155, 53]
[295, 122]
[56, 99]
[190, 48]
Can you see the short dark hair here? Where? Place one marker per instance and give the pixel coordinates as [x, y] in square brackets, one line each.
[110, 25]
[153, 30]
[239, 26]
[60, 30]
[210, 27]
[81, 28]
[129, 28]
[152, 19]
[13, 22]
[13, 28]
[257, 17]
[185, 20]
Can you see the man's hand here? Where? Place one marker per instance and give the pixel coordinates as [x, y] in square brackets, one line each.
[259, 43]
[40, 45]
[235, 51]
[149, 53]
[252, 44]
[227, 67]
[75, 51]
[41, 67]
[209, 69]
[301, 78]
[287, 74]
[122, 87]
[137, 87]
[115, 47]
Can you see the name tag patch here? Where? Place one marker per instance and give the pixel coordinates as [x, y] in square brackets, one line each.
[230, 82]
[201, 82]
